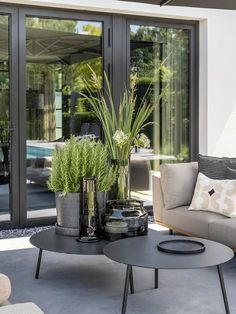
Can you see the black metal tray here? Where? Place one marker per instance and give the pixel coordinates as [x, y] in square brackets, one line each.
[182, 246]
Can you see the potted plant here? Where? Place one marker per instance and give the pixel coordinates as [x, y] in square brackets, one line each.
[121, 127]
[69, 165]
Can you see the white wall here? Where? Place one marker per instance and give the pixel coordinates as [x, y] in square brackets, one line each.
[217, 121]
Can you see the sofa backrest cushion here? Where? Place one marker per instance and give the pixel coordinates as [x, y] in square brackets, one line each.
[178, 183]
[215, 167]
[231, 173]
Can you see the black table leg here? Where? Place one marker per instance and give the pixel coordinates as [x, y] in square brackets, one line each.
[38, 264]
[156, 278]
[222, 283]
[126, 288]
[131, 281]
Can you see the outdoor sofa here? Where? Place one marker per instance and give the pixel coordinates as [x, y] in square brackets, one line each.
[19, 308]
[173, 190]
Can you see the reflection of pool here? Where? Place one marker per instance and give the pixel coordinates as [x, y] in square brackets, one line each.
[36, 151]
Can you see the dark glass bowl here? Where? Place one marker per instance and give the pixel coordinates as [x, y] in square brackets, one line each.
[125, 218]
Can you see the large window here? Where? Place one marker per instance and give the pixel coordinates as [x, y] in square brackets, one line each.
[160, 64]
[46, 57]
[60, 54]
[4, 119]
[159, 58]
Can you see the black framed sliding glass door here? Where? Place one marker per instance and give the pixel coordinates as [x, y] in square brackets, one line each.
[45, 56]
[162, 61]
[9, 198]
[59, 55]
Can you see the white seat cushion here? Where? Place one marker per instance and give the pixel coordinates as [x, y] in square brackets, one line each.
[21, 308]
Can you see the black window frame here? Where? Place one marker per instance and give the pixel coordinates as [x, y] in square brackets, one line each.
[116, 45]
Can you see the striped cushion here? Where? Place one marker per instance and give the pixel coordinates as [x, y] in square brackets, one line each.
[215, 167]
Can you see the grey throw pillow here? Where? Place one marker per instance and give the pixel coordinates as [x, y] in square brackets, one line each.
[178, 183]
[215, 167]
[231, 173]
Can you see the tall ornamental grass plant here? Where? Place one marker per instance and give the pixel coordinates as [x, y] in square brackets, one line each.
[121, 126]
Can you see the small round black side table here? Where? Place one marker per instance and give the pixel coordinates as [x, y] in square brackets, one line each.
[143, 252]
[48, 240]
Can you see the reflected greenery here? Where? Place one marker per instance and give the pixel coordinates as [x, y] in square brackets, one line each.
[4, 78]
[160, 58]
[55, 75]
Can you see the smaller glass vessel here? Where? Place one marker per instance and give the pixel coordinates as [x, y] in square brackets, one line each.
[89, 216]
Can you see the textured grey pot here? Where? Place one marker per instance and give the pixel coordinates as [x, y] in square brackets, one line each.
[68, 213]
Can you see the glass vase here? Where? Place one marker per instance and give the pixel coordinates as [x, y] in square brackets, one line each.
[123, 180]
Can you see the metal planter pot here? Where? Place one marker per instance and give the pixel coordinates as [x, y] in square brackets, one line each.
[68, 212]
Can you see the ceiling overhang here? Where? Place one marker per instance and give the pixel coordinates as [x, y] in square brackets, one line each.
[210, 4]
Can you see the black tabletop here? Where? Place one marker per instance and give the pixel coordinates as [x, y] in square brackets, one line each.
[50, 241]
[143, 252]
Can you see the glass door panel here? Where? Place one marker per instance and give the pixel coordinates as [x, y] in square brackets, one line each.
[159, 58]
[5, 130]
[60, 53]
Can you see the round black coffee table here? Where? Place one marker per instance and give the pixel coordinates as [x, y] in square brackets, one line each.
[143, 252]
[48, 240]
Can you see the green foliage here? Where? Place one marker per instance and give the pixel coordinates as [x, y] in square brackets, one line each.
[51, 24]
[78, 159]
[126, 120]
[93, 29]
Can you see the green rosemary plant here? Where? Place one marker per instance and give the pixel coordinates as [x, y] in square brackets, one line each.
[78, 159]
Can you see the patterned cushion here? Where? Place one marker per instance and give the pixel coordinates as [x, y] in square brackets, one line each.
[218, 196]
[214, 167]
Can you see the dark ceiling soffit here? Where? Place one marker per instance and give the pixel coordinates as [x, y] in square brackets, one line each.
[209, 4]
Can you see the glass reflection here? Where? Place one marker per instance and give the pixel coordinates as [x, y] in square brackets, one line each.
[159, 58]
[4, 120]
[60, 54]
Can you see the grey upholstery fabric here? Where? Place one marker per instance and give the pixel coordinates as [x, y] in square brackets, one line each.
[194, 222]
[223, 231]
[214, 167]
[178, 183]
[158, 203]
[21, 308]
[231, 173]
[199, 223]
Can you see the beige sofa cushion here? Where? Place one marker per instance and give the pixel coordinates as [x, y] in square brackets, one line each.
[178, 183]
[223, 231]
[21, 308]
[158, 204]
[5, 288]
[192, 222]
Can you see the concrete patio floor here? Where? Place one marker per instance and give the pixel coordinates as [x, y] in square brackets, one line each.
[87, 284]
